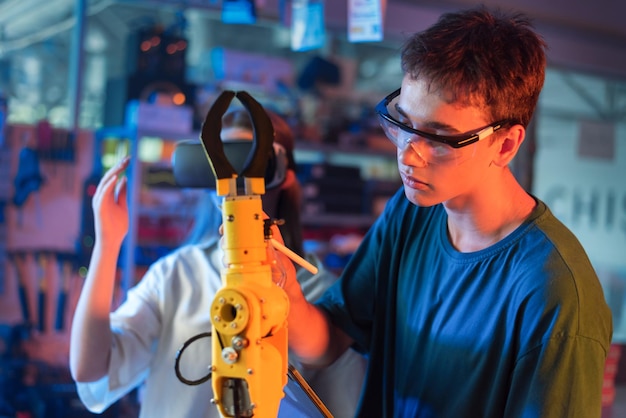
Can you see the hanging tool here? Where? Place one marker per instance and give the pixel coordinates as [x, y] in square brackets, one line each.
[18, 261]
[65, 273]
[42, 264]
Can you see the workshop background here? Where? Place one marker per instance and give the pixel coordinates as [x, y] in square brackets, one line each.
[83, 82]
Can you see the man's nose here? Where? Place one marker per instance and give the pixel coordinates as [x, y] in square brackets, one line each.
[414, 153]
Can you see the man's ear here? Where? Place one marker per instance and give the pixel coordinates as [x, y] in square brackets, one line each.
[509, 143]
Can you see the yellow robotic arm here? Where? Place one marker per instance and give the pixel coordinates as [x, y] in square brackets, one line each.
[249, 312]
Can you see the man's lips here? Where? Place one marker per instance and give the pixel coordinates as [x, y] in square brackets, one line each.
[413, 182]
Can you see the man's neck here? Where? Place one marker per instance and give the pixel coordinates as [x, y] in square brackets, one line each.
[489, 218]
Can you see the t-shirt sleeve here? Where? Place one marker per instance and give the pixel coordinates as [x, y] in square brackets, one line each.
[563, 341]
[362, 289]
[135, 325]
[545, 382]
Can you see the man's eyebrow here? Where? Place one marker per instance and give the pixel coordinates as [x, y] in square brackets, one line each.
[434, 125]
[442, 126]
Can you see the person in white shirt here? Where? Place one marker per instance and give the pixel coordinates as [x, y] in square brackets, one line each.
[112, 353]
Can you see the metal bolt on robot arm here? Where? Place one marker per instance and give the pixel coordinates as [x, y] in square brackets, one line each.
[249, 313]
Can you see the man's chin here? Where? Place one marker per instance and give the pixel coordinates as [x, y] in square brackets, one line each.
[418, 198]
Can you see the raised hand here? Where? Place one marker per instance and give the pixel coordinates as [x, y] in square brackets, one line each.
[110, 206]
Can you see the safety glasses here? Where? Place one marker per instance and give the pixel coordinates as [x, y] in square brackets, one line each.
[434, 148]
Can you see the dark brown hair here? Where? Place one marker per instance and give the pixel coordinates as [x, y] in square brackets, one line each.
[481, 58]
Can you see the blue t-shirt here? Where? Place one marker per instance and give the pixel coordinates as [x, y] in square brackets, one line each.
[519, 329]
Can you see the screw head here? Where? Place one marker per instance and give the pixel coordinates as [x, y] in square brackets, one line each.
[229, 355]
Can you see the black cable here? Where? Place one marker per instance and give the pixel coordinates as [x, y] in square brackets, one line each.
[179, 354]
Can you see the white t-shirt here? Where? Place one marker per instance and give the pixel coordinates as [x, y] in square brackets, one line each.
[169, 306]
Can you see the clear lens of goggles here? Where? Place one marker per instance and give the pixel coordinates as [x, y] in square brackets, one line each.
[430, 151]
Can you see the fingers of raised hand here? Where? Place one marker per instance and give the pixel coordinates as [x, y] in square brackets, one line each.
[116, 170]
[109, 185]
[120, 191]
